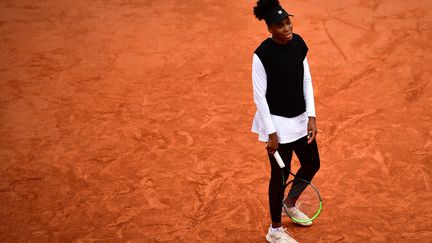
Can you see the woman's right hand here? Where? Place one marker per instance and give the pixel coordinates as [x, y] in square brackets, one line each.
[273, 143]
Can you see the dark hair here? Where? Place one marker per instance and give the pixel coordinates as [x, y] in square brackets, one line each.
[263, 7]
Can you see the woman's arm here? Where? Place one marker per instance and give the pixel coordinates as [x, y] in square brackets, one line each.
[259, 81]
[310, 102]
[308, 90]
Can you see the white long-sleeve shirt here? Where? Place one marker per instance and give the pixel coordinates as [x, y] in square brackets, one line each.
[287, 129]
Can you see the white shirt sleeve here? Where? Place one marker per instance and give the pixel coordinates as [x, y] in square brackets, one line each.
[259, 81]
[308, 90]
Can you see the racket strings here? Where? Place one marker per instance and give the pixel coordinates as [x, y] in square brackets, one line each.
[303, 197]
[297, 188]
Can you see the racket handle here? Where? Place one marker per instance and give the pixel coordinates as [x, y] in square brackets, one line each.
[279, 159]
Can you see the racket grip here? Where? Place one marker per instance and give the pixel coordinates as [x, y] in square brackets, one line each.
[279, 159]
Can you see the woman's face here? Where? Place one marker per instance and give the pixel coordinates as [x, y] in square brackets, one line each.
[282, 32]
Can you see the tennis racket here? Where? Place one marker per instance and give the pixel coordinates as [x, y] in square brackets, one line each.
[302, 195]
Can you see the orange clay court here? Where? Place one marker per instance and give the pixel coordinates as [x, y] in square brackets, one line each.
[129, 121]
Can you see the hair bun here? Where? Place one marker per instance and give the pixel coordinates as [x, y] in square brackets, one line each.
[263, 7]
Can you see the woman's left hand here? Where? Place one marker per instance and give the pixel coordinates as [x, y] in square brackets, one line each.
[312, 129]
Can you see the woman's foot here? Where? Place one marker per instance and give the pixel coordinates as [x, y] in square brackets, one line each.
[294, 212]
[279, 235]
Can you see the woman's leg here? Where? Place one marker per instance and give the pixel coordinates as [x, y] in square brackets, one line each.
[310, 163]
[276, 188]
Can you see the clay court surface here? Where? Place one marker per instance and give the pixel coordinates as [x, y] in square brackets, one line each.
[129, 121]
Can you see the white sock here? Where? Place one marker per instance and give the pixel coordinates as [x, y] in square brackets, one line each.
[275, 229]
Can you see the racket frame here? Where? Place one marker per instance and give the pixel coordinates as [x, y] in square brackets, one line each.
[282, 165]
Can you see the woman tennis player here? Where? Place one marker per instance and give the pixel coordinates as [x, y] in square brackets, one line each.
[285, 117]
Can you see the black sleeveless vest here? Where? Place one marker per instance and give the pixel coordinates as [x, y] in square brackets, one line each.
[283, 65]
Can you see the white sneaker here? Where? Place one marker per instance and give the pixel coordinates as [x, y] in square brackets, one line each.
[279, 236]
[294, 212]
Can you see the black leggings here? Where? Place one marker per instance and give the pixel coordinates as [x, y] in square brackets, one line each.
[309, 165]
